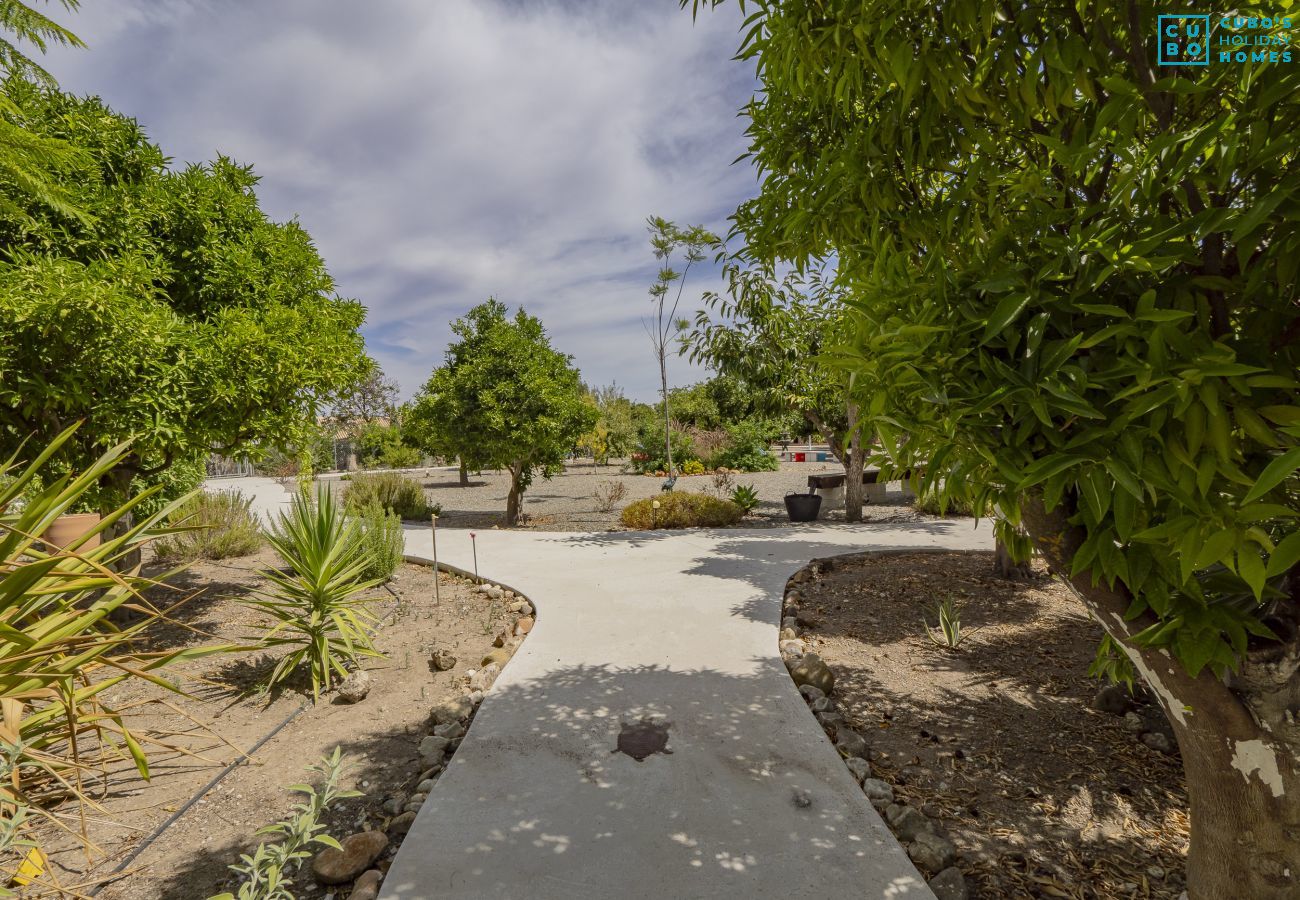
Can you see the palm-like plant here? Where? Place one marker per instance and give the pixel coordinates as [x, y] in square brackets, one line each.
[60, 649]
[318, 603]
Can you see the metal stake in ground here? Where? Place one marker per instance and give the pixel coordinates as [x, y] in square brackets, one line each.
[473, 542]
[433, 525]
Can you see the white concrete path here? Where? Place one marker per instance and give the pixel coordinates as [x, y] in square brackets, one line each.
[681, 627]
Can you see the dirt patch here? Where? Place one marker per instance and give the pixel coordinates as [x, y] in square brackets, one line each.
[224, 716]
[1042, 795]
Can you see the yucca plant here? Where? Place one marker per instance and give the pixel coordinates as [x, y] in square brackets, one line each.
[948, 633]
[60, 649]
[317, 604]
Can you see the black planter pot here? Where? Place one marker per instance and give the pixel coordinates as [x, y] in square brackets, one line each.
[803, 507]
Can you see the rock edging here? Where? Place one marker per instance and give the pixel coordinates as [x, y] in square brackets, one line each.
[359, 860]
[929, 849]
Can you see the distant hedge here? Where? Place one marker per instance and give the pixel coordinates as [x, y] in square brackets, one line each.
[678, 509]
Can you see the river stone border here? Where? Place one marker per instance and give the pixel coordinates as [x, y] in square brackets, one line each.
[449, 721]
[930, 850]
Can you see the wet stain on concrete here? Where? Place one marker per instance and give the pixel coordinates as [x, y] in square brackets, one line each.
[640, 739]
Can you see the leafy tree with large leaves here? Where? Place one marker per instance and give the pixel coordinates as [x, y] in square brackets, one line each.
[504, 398]
[770, 333]
[173, 314]
[1073, 276]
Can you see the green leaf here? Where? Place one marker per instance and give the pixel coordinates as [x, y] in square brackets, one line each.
[1004, 314]
[1274, 474]
[1285, 555]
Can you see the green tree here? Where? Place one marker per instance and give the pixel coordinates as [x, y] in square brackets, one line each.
[175, 315]
[505, 398]
[772, 335]
[666, 240]
[1074, 278]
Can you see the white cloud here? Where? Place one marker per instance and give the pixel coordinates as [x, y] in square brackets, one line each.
[440, 152]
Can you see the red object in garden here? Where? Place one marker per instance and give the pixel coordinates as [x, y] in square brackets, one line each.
[799, 457]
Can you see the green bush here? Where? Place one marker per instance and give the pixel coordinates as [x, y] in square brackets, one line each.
[649, 456]
[693, 467]
[929, 504]
[678, 509]
[385, 543]
[746, 450]
[389, 490]
[746, 497]
[400, 456]
[223, 523]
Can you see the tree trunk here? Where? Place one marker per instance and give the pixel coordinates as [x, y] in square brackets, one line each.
[853, 463]
[1239, 739]
[515, 496]
[1004, 566]
[464, 473]
[668, 428]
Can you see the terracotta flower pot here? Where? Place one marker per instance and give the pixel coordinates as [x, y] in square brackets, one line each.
[70, 527]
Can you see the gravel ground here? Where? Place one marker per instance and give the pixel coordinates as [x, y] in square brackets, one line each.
[568, 502]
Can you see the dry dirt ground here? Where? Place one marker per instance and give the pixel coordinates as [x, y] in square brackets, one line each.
[1043, 796]
[569, 501]
[226, 715]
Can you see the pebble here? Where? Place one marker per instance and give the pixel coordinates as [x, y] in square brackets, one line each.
[907, 822]
[813, 671]
[483, 679]
[498, 657]
[811, 693]
[859, 767]
[931, 852]
[1159, 742]
[451, 709]
[524, 625]
[949, 884]
[355, 687]
[367, 886]
[878, 792]
[393, 805]
[850, 743]
[432, 749]
[443, 660]
[789, 622]
[425, 786]
[353, 856]
[821, 704]
[788, 634]
[449, 730]
[401, 824]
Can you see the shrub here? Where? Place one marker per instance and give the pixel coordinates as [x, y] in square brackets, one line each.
[609, 494]
[318, 606]
[269, 873]
[62, 651]
[693, 467]
[218, 526]
[400, 456]
[678, 509]
[746, 497]
[722, 485]
[385, 542]
[650, 448]
[930, 505]
[747, 450]
[389, 490]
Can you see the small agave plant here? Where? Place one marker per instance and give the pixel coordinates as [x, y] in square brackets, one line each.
[948, 633]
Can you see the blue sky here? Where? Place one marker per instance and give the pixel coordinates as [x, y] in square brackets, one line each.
[441, 151]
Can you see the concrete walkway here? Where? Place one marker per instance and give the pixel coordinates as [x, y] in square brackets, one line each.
[681, 628]
[753, 801]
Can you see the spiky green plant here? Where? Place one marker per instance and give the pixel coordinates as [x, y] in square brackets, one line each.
[746, 497]
[385, 541]
[948, 633]
[60, 648]
[318, 604]
[268, 873]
